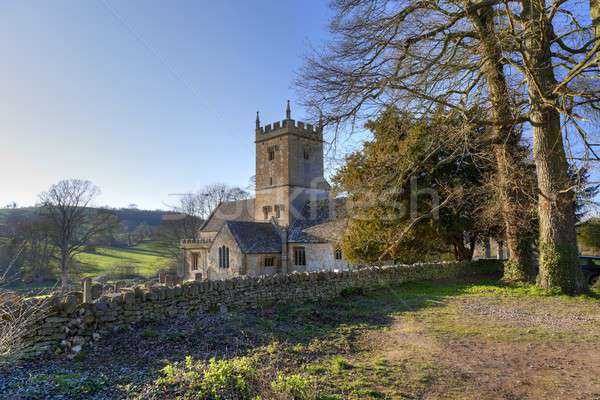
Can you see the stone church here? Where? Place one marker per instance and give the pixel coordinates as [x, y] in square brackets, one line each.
[293, 223]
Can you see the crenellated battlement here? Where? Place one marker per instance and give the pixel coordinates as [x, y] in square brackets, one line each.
[288, 125]
[291, 126]
[199, 243]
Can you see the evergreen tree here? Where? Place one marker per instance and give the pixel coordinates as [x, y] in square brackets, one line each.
[417, 188]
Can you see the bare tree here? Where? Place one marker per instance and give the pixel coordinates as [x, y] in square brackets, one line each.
[32, 233]
[595, 14]
[557, 60]
[505, 144]
[217, 193]
[423, 56]
[67, 205]
[471, 54]
[192, 209]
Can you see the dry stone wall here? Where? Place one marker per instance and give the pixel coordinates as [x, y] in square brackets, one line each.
[70, 323]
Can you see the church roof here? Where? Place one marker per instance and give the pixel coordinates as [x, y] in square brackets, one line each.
[239, 210]
[255, 237]
[331, 231]
[322, 221]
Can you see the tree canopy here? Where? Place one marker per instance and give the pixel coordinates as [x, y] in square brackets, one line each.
[417, 188]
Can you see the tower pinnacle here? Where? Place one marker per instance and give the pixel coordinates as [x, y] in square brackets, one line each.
[257, 121]
[288, 111]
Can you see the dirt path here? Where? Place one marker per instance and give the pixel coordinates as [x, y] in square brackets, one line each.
[490, 348]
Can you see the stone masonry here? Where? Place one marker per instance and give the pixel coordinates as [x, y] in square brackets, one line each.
[289, 168]
[69, 323]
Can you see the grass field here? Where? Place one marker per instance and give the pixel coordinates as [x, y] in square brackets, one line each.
[145, 258]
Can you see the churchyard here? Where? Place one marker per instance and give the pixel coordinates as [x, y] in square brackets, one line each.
[468, 338]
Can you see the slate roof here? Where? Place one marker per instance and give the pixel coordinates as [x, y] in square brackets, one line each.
[331, 231]
[322, 221]
[255, 237]
[240, 210]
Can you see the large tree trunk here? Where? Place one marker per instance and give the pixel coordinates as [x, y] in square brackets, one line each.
[517, 220]
[505, 142]
[559, 264]
[461, 251]
[595, 14]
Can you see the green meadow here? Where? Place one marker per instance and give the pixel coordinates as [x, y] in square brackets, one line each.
[145, 259]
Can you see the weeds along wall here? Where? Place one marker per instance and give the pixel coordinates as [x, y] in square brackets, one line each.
[68, 324]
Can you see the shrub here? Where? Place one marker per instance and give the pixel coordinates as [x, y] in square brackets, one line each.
[236, 378]
[339, 364]
[294, 387]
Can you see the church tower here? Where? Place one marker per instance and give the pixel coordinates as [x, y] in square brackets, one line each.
[289, 168]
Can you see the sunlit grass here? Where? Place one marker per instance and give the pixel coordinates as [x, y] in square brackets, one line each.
[486, 288]
[146, 258]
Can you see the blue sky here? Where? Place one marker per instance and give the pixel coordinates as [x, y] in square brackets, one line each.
[144, 98]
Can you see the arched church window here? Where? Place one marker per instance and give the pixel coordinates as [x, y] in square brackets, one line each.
[299, 256]
[269, 261]
[223, 257]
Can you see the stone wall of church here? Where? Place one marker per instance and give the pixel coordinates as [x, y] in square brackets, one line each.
[292, 198]
[270, 197]
[208, 235]
[67, 323]
[305, 160]
[256, 264]
[188, 263]
[319, 257]
[236, 258]
[289, 159]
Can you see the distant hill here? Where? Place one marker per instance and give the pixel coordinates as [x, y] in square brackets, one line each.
[7, 212]
[131, 217]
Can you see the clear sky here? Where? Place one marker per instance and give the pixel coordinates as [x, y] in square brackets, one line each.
[144, 98]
